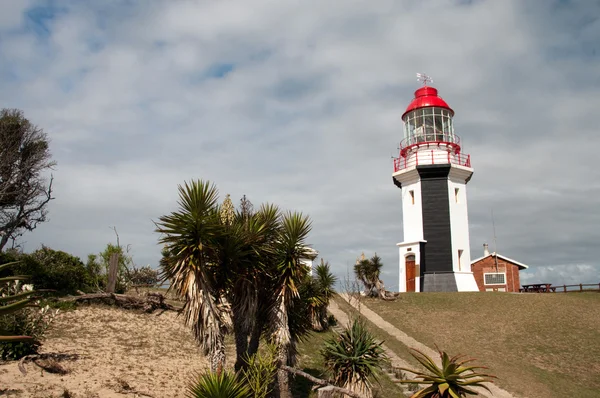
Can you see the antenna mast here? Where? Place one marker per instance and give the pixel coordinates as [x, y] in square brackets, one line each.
[495, 242]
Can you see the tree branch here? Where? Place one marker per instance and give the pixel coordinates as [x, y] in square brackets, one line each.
[321, 382]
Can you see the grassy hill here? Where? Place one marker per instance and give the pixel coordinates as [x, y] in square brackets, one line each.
[539, 345]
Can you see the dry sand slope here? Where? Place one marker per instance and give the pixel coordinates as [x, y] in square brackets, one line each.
[122, 354]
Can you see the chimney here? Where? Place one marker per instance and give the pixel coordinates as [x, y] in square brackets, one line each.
[486, 250]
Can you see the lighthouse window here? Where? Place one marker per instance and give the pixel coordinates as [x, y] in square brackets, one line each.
[456, 195]
[412, 197]
[429, 124]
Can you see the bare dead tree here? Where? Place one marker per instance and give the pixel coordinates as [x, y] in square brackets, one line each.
[25, 189]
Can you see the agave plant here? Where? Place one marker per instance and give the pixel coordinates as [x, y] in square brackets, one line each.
[354, 357]
[218, 385]
[15, 302]
[452, 380]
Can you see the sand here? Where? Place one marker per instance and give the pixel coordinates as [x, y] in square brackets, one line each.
[121, 354]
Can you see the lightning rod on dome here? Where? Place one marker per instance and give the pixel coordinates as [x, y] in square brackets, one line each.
[423, 78]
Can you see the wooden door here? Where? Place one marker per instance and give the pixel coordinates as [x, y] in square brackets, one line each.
[410, 273]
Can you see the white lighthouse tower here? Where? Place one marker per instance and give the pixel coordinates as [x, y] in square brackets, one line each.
[433, 173]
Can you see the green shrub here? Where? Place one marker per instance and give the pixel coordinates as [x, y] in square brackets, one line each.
[50, 269]
[21, 326]
[260, 372]
[59, 271]
[218, 385]
[142, 276]
[98, 266]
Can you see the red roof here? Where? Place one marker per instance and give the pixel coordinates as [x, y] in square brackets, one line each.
[426, 97]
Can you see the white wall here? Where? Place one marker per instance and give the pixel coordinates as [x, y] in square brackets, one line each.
[459, 226]
[465, 282]
[459, 218]
[412, 214]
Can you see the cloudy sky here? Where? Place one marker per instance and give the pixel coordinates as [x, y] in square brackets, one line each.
[299, 103]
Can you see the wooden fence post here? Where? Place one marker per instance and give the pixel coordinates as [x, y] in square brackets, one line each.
[113, 267]
[580, 287]
[565, 288]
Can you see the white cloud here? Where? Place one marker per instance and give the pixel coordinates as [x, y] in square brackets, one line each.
[308, 115]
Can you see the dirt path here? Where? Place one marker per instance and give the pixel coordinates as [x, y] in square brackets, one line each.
[405, 339]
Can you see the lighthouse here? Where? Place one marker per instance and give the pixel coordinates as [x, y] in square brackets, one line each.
[432, 173]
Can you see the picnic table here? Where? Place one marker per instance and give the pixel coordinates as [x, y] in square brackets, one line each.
[539, 288]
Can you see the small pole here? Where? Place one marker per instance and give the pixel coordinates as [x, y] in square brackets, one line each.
[565, 288]
[580, 287]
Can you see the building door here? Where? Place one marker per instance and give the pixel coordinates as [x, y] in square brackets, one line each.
[410, 272]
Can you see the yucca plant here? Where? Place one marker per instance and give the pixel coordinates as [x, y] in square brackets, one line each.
[325, 282]
[354, 357]
[11, 303]
[222, 384]
[452, 380]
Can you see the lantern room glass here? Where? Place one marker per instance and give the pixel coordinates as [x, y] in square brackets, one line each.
[428, 125]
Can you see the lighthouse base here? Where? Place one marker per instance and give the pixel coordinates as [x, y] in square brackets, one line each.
[449, 282]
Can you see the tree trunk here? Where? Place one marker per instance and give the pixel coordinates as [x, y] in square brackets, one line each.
[358, 386]
[3, 241]
[323, 316]
[283, 378]
[316, 320]
[255, 336]
[217, 355]
[241, 342]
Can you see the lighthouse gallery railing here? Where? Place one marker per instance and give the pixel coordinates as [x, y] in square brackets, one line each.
[431, 157]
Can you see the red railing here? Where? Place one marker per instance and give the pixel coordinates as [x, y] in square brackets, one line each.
[431, 157]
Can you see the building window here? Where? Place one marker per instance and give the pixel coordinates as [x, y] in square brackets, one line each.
[495, 278]
[456, 195]
[460, 253]
[412, 197]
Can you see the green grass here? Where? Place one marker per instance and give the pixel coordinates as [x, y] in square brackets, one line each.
[310, 361]
[537, 344]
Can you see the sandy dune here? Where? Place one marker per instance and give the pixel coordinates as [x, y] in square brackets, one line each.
[121, 353]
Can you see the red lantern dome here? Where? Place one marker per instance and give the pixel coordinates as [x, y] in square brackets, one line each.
[427, 97]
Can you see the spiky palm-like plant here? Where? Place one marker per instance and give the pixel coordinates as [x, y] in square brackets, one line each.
[269, 216]
[289, 272]
[354, 357]
[368, 271]
[452, 380]
[191, 236]
[218, 385]
[325, 282]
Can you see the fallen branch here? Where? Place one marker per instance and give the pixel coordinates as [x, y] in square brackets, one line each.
[321, 382]
[47, 361]
[149, 303]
